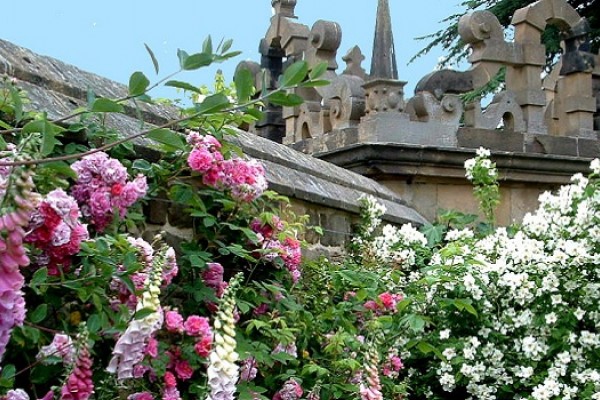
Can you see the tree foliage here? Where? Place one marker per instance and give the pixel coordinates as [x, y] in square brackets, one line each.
[449, 40]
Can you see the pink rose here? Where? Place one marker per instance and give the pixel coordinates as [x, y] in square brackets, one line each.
[183, 370]
[197, 326]
[203, 346]
[174, 321]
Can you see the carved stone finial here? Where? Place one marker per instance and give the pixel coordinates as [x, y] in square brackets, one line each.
[353, 60]
[325, 38]
[285, 8]
[383, 61]
[384, 95]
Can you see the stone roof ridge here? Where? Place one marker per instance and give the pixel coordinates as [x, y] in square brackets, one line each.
[383, 60]
[60, 88]
[52, 74]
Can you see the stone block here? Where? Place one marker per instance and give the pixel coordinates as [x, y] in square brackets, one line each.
[557, 145]
[157, 211]
[397, 128]
[422, 196]
[498, 140]
[524, 200]
[456, 197]
[578, 103]
[588, 147]
[178, 217]
[336, 228]
[504, 209]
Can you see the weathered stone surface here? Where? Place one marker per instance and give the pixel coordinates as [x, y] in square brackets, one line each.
[445, 81]
[588, 148]
[557, 145]
[498, 140]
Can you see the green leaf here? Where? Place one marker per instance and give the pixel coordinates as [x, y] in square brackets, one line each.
[318, 70]
[106, 105]
[416, 323]
[48, 143]
[39, 314]
[283, 99]
[184, 86]
[17, 102]
[167, 137]
[207, 46]
[226, 46]
[183, 56]
[213, 104]
[465, 304]
[7, 376]
[60, 168]
[138, 83]
[144, 312]
[425, 347]
[294, 74]
[48, 132]
[196, 61]
[4, 125]
[153, 57]
[39, 276]
[433, 233]
[142, 165]
[315, 83]
[229, 55]
[94, 323]
[244, 85]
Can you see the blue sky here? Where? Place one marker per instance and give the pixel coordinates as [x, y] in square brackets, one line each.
[107, 37]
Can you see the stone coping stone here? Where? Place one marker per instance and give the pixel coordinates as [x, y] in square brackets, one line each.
[394, 159]
[60, 88]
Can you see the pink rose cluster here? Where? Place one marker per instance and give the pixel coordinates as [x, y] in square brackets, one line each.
[392, 366]
[213, 278]
[55, 229]
[178, 368]
[194, 326]
[61, 346]
[103, 189]
[287, 249]
[245, 179]
[291, 390]
[249, 369]
[386, 302]
[170, 391]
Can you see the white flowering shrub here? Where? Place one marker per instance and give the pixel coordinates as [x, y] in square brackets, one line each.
[515, 314]
[378, 245]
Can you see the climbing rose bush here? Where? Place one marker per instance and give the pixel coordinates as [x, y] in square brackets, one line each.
[102, 189]
[56, 231]
[245, 179]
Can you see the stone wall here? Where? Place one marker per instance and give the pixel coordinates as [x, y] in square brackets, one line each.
[540, 127]
[327, 193]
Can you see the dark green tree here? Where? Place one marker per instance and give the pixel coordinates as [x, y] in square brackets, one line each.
[450, 41]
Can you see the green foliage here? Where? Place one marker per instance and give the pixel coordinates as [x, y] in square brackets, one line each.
[448, 39]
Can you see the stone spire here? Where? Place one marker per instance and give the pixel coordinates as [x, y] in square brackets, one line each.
[383, 61]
